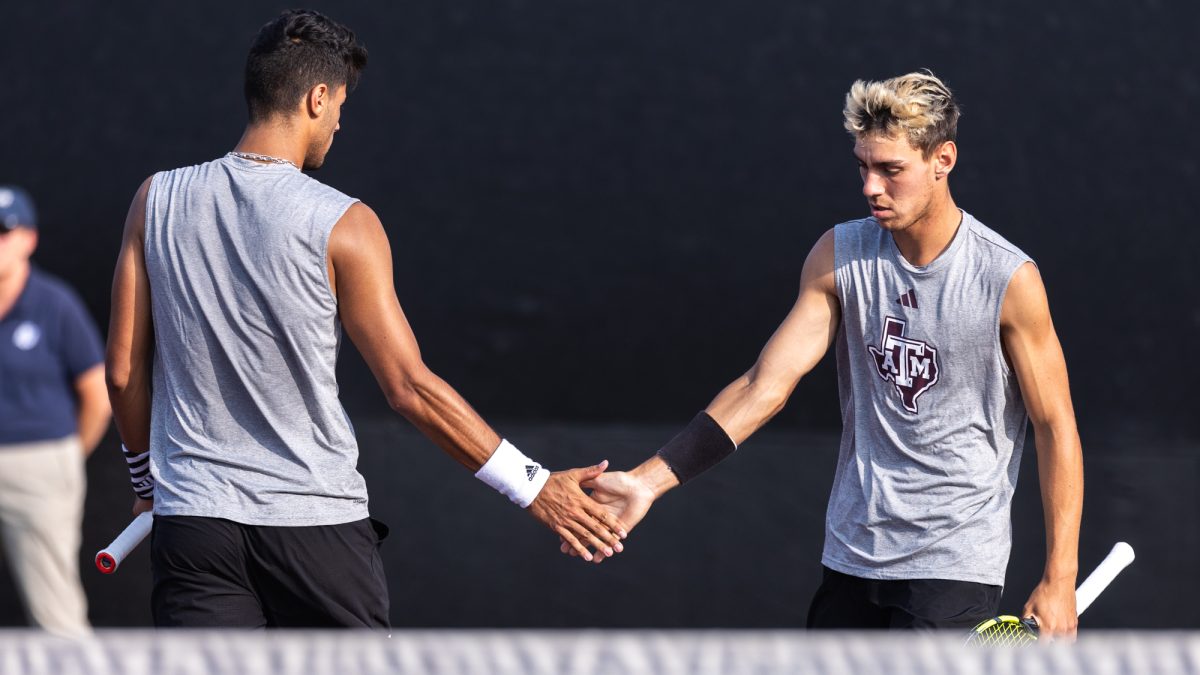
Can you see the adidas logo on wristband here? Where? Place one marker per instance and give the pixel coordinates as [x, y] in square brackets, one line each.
[503, 471]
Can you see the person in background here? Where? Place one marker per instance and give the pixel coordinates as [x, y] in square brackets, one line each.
[53, 411]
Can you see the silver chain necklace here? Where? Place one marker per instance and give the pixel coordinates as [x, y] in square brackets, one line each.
[254, 156]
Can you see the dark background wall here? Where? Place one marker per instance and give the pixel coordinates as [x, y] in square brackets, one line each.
[599, 212]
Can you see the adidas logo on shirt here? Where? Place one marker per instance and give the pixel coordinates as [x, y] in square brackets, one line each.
[909, 299]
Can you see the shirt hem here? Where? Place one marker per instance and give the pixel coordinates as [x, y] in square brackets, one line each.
[268, 521]
[909, 574]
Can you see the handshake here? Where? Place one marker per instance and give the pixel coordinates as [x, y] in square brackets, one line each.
[591, 526]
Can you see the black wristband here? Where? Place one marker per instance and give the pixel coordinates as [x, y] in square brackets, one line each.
[699, 447]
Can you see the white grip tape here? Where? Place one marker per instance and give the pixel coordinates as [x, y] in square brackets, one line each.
[108, 559]
[1117, 560]
[513, 475]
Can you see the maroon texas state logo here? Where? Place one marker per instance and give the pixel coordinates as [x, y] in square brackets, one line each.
[911, 364]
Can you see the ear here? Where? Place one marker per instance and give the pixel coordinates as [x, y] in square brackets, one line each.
[317, 100]
[944, 159]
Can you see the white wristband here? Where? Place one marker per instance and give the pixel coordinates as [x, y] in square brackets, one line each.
[513, 475]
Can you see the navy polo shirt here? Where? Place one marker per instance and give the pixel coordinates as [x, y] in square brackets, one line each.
[47, 340]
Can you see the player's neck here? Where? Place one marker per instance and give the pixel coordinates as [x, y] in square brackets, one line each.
[274, 139]
[12, 282]
[922, 242]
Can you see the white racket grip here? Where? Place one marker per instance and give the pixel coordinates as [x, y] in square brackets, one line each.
[108, 559]
[1091, 588]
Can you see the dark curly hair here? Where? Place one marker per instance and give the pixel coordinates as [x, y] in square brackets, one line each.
[295, 52]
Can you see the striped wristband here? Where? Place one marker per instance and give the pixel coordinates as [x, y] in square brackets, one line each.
[139, 473]
[514, 475]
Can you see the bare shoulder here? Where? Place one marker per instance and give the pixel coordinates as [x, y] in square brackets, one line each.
[143, 190]
[358, 217]
[1025, 301]
[135, 221]
[357, 230]
[824, 245]
[818, 266]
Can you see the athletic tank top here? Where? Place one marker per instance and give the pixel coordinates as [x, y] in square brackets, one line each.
[932, 418]
[246, 423]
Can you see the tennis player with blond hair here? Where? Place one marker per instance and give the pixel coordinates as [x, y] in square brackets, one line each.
[945, 349]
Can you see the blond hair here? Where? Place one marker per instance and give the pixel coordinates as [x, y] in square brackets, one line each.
[919, 105]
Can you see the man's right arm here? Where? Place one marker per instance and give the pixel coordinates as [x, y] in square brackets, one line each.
[754, 398]
[360, 272]
[796, 347]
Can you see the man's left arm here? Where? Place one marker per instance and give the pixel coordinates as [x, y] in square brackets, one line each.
[130, 348]
[1036, 355]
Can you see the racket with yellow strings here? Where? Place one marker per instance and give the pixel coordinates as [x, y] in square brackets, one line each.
[1011, 631]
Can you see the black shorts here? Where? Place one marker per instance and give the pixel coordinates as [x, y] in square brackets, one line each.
[849, 602]
[215, 573]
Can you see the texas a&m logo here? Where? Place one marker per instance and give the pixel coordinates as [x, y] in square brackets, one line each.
[911, 364]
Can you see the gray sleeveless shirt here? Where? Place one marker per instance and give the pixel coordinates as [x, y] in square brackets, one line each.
[246, 423]
[932, 418]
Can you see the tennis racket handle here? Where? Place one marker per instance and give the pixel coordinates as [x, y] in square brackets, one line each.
[109, 558]
[1120, 557]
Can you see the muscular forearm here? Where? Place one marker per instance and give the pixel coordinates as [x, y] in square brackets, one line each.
[131, 412]
[740, 409]
[748, 403]
[439, 412]
[555, 499]
[1060, 472]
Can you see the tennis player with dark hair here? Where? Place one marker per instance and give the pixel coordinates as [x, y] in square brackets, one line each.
[234, 281]
[945, 349]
